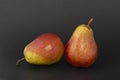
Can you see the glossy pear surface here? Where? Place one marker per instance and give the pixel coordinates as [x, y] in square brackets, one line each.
[81, 49]
[44, 50]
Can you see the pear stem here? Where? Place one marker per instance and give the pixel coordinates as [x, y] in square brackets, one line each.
[17, 63]
[90, 21]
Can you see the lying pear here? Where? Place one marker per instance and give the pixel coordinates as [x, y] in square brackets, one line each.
[44, 50]
[81, 50]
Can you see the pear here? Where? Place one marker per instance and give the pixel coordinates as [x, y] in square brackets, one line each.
[46, 49]
[81, 49]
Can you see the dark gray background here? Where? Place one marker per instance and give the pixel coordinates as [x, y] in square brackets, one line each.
[21, 21]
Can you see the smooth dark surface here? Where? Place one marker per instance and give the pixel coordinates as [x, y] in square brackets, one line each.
[21, 21]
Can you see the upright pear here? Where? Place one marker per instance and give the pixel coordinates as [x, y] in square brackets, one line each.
[81, 49]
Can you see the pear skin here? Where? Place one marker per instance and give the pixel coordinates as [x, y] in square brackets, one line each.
[46, 49]
[81, 49]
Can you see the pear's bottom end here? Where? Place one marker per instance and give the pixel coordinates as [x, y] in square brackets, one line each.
[85, 65]
[81, 63]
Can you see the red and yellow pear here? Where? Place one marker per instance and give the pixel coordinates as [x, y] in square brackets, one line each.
[81, 49]
[44, 50]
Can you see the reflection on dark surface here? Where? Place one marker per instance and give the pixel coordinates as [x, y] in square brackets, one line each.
[58, 72]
